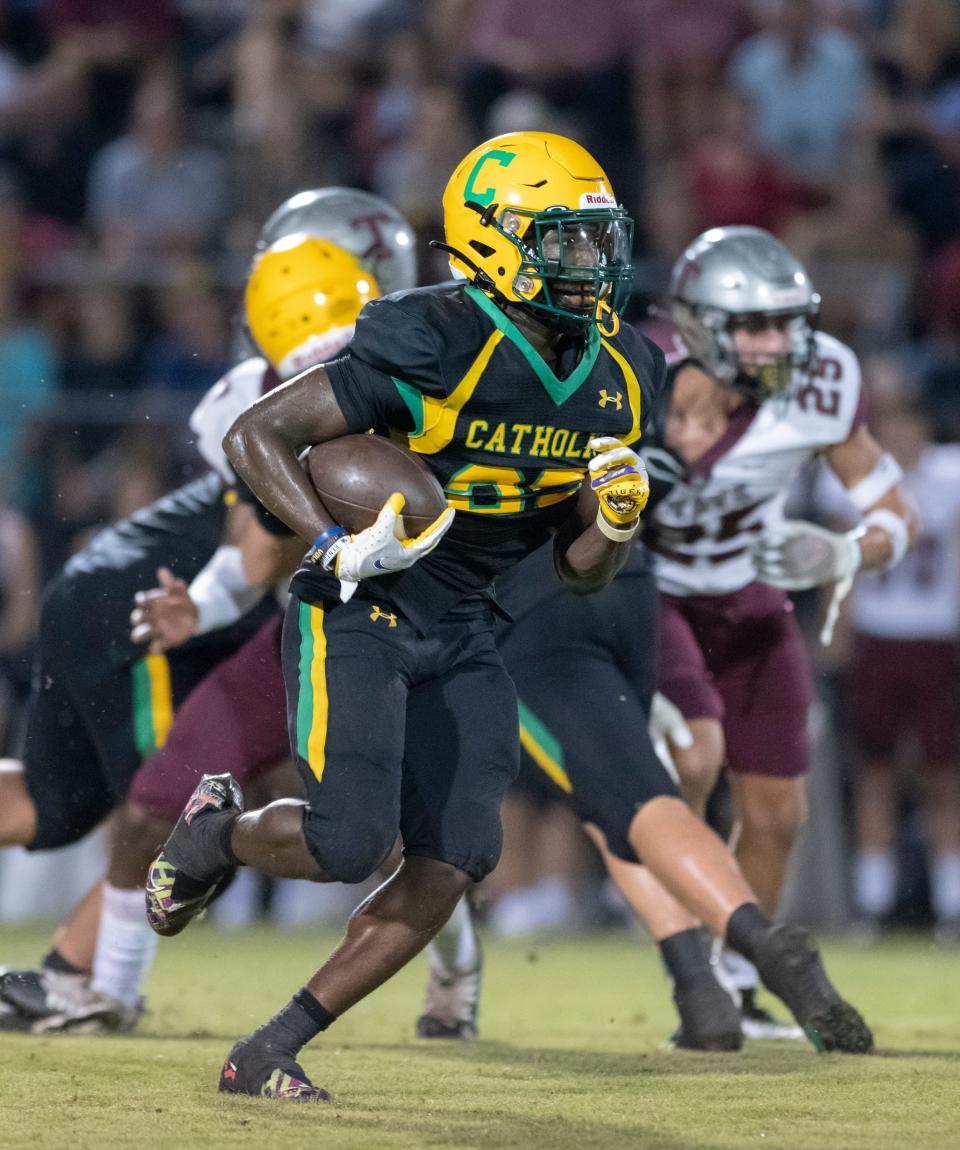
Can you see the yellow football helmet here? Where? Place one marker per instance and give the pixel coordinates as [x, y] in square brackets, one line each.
[302, 300]
[530, 217]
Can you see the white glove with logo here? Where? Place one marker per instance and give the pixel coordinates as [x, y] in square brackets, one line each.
[377, 550]
[796, 555]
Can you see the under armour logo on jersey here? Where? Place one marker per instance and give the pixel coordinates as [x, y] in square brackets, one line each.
[606, 397]
[379, 613]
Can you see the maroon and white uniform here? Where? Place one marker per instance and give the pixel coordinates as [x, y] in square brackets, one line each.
[730, 647]
[906, 624]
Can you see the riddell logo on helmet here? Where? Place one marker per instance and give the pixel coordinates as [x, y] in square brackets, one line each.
[597, 200]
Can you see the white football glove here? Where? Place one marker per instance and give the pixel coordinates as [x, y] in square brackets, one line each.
[668, 729]
[796, 555]
[667, 722]
[377, 550]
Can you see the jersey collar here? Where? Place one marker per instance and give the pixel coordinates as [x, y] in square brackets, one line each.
[559, 390]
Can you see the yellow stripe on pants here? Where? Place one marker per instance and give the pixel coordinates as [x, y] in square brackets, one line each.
[161, 697]
[316, 744]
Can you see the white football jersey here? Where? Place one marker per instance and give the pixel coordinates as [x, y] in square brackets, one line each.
[920, 597]
[214, 415]
[701, 531]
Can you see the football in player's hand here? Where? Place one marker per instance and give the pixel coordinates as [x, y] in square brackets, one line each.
[356, 474]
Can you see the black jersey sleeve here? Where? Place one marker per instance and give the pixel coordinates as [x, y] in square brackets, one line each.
[392, 355]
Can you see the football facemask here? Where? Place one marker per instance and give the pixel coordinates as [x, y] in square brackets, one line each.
[529, 217]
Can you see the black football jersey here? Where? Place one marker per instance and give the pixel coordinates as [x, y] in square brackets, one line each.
[93, 596]
[446, 372]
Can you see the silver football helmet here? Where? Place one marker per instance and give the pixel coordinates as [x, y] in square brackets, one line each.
[744, 277]
[366, 226]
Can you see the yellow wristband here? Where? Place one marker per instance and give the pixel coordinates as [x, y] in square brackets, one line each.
[617, 534]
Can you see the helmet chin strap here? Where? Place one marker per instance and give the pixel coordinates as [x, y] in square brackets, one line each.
[480, 277]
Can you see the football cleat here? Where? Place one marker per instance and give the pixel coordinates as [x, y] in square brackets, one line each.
[452, 1003]
[53, 1002]
[709, 1018]
[254, 1070]
[13, 1020]
[758, 1023]
[790, 966]
[183, 878]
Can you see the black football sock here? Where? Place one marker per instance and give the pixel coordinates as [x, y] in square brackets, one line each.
[54, 960]
[747, 927]
[686, 956]
[205, 856]
[292, 1028]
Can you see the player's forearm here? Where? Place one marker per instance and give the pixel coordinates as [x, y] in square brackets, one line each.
[267, 462]
[891, 525]
[591, 560]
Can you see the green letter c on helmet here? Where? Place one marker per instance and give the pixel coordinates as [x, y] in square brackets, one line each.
[485, 197]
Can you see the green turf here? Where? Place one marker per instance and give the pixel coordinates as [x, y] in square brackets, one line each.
[568, 1060]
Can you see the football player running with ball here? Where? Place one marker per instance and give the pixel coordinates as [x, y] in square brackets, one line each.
[402, 717]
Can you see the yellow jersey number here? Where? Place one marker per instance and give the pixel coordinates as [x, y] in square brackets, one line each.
[507, 491]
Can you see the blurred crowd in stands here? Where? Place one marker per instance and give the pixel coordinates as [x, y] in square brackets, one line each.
[144, 142]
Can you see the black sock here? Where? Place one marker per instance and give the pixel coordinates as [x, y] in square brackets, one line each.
[54, 960]
[212, 834]
[292, 1028]
[686, 955]
[747, 926]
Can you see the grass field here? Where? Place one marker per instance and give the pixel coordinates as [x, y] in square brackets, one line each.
[569, 1058]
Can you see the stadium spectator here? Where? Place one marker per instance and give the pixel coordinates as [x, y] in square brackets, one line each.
[863, 257]
[105, 44]
[577, 60]
[192, 346]
[733, 181]
[152, 191]
[809, 84]
[102, 350]
[29, 377]
[20, 588]
[682, 48]
[911, 118]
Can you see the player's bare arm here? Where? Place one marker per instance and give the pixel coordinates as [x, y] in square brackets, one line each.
[594, 543]
[585, 558]
[249, 562]
[264, 443]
